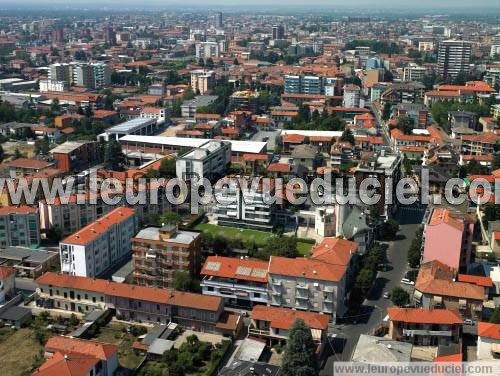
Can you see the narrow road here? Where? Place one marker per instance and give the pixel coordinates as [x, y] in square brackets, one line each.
[374, 309]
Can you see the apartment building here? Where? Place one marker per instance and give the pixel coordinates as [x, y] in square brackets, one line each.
[437, 287]
[241, 206]
[448, 238]
[414, 72]
[19, 226]
[207, 50]
[246, 100]
[135, 303]
[307, 284]
[479, 144]
[75, 156]
[425, 327]
[302, 84]
[454, 57]
[381, 167]
[160, 252]
[240, 282]
[100, 245]
[352, 96]
[202, 80]
[209, 160]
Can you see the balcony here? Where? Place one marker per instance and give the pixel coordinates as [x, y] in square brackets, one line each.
[302, 287]
[423, 332]
[302, 297]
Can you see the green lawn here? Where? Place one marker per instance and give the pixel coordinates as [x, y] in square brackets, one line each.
[18, 349]
[260, 237]
[114, 334]
[304, 249]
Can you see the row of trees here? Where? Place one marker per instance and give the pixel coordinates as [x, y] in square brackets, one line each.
[414, 253]
[316, 121]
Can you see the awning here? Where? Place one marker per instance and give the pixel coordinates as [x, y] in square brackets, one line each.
[417, 295]
[437, 299]
[462, 302]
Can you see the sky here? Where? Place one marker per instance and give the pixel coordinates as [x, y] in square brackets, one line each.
[451, 5]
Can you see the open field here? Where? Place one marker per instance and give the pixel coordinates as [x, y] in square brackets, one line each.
[18, 349]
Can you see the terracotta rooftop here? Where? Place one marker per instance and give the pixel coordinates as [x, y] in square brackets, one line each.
[68, 345]
[442, 215]
[23, 209]
[489, 330]
[100, 226]
[436, 278]
[424, 316]
[476, 280]
[283, 318]
[335, 251]
[236, 268]
[6, 272]
[279, 167]
[306, 268]
[34, 164]
[67, 365]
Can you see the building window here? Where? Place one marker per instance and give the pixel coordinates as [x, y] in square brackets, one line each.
[93, 299]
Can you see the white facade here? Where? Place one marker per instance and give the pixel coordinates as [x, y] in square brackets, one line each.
[206, 161]
[454, 57]
[207, 49]
[99, 246]
[352, 97]
[414, 73]
[485, 347]
[49, 85]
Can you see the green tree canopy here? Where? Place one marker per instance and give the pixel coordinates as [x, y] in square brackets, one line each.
[299, 358]
[400, 297]
[114, 159]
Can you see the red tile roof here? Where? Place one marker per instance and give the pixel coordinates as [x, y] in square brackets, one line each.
[279, 167]
[489, 330]
[475, 279]
[6, 272]
[67, 365]
[100, 226]
[442, 215]
[235, 268]
[34, 164]
[449, 358]
[334, 251]
[436, 278]
[68, 345]
[293, 138]
[23, 209]
[283, 318]
[424, 316]
[306, 268]
[177, 298]
[255, 157]
[485, 138]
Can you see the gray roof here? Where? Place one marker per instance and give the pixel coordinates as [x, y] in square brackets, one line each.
[15, 313]
[305, 151]
[68, 147]
[371, 349]
[249, 350]
[159, 346]
[94, 315]
[200, 101]
[27, 254]
[355, 223]
[180, 236]
[130, 125]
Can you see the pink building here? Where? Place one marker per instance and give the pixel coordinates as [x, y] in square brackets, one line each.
[448, 238]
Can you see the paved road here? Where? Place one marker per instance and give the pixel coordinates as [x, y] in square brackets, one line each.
[374, 309]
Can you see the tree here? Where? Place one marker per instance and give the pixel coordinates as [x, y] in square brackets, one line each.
[17, 154]
[170, 218]
[114, 159]
[400, 297]
[496, 162]
[284, 246]
[299, 358]
[364, 280]
[167, 168]
[182, 281]
[236, 62]
[386, 114]
[405, 124]
[54, 234]
[390, 229]
[188, 94]
[495, 317]
[2, 154]
[42, 146]
[347, 136]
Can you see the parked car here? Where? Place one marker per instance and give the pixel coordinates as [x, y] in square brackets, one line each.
[468, 322]
[406, 281]
[387, 295]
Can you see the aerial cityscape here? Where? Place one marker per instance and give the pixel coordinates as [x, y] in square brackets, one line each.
[249, 189]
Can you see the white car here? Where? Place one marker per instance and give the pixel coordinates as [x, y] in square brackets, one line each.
[468, 322]
[406, 281]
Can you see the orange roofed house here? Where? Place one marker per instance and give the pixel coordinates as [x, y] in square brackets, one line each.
[274, 323]
[423, 326]
[77, 357]
[134, 303]
[100, 245]
[488, 341]
[437, 287]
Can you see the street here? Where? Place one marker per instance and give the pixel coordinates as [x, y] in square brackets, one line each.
[374, 309]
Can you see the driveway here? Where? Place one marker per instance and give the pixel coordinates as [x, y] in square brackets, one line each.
[374, 308]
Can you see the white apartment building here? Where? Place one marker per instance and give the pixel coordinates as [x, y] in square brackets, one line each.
[100, 245]
[48, 85]
[240, 206]
[414, 72]
[207, 49]
[209, 160]
[352, 96]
